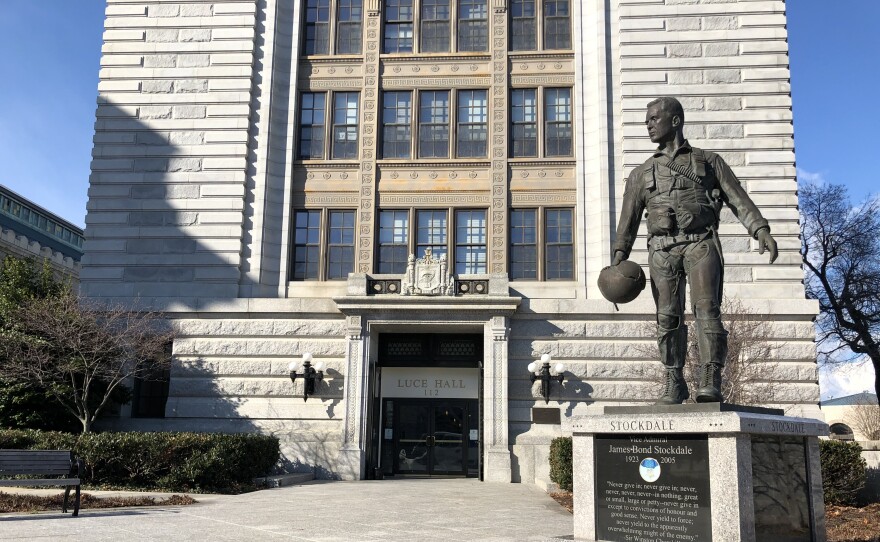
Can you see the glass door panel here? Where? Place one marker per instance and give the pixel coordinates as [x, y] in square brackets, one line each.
[448, 439]
[413, 430]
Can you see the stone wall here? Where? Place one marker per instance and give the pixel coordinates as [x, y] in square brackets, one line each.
[171, 141]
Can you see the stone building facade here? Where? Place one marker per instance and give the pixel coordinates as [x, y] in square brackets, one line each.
[30, 231]
[264, 170]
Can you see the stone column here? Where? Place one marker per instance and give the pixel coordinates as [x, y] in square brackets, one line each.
[352, 453]
[496, 457]
[732, 486]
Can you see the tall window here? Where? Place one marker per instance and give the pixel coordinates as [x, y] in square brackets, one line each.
[557, 24]
[473, 123]
[393, 241]
[557, 129]
[311, 130]
[350, 13]
[317, 30]
[524, 117]
[431, 232]
[323, 244]
[396, 124]
[470, 241]
[473, 25]
[523, 31]
[559, 244]
[345, 125]
[340, 246]
[435, 26]
[541, 253]
[523, 244]
[398, 26]
[434, 124]
[306, 245]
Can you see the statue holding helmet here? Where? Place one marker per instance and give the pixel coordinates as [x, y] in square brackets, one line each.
[681, 189]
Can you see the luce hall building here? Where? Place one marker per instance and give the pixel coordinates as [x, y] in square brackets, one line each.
[420, 194]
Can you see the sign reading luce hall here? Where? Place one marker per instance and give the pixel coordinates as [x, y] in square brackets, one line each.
[430, 383]
[652, 488]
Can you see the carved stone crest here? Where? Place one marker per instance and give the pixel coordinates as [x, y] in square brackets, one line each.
[427, 276]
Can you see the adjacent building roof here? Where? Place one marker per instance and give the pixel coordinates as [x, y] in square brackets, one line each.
[850, 400]
[26, 218]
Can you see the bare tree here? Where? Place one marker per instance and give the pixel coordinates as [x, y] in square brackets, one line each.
[82, 352]
[865, 419]
[841, 253]
[748, 376]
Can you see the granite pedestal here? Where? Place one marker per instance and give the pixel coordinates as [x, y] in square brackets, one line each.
[697, 473]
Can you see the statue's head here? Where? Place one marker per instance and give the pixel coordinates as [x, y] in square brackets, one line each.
[665, 119]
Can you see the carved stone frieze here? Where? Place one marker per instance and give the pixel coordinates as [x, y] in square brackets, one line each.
[498, 145]
[370, 116]
[434, 82]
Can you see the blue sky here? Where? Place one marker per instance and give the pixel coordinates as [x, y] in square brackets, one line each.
[49, 76]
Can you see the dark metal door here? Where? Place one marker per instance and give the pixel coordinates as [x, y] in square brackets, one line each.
[431, 437]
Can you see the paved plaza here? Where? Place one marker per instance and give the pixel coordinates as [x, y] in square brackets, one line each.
[402, 509]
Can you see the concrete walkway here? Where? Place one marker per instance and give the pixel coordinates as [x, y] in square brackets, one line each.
[405, 509]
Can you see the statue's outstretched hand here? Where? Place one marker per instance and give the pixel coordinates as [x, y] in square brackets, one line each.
[619, 256]
[766, 241]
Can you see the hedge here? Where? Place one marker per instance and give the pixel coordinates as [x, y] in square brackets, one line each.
[201, 462]
[560, 462]
[843, 471]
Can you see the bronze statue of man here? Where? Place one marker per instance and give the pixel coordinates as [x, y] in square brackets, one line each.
[683, 188]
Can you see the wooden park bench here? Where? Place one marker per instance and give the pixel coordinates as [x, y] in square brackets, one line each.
[61, 464]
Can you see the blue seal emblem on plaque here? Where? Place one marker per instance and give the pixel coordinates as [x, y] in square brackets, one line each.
[649, 469]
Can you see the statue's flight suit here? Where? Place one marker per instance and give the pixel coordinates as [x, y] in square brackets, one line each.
[683, 195]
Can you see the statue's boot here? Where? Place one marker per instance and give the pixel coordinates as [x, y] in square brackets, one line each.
[673, 348]
[713, 351]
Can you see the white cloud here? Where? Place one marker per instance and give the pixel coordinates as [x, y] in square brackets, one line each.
[811, 177]
[840, 380]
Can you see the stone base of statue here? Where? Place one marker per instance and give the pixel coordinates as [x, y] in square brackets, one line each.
[695, 473]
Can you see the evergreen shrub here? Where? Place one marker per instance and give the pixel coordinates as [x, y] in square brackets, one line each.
[200, 462]
[560, 462]
[843, 471]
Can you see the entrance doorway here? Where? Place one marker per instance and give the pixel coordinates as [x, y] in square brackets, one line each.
[427, 409]
[433, 437]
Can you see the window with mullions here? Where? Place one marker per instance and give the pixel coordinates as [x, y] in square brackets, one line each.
[473, 25]
[557, 24]
[311, 126]
[317, 28]
[558, 244]
[523, 244]
[523, 26]
[323, 244]
[435, 24]
[431, 232]
[393, 241]
[470, 241]
[349, 17]
[473, 123]
[524, 118]
[434, 124]
[557, 127]
[340, 245]
[306, 245]
[396, 124]
[345, 125]
[398, 26]
[541, 253]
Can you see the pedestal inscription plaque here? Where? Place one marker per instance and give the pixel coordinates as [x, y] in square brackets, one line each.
[652, 488]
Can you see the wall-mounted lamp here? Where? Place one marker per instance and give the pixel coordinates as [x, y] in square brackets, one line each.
[310, 375]
[546, 373]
